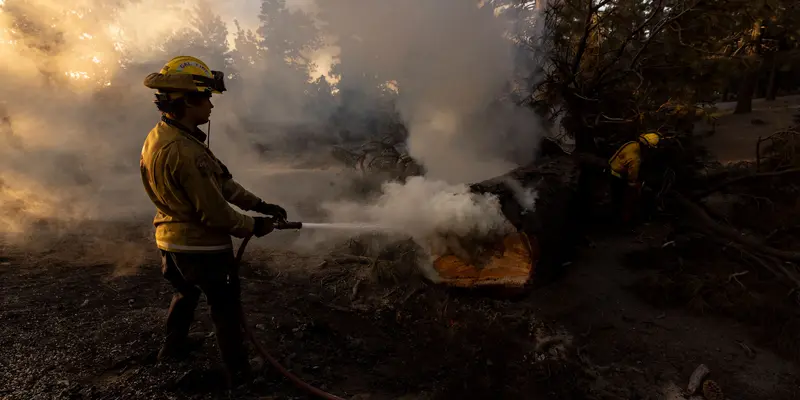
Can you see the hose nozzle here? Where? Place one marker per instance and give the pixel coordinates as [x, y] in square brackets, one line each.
[288, 225]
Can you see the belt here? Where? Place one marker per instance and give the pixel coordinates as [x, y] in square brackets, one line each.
[199, 249]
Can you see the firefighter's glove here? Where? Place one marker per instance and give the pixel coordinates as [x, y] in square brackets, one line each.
[262, 226]
[272, 210]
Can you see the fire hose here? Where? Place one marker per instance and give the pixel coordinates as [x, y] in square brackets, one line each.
[280, 225]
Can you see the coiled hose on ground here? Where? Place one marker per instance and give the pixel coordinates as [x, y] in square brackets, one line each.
[264, 353]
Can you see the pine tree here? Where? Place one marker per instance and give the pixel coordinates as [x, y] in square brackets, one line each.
[206, 38]
[288, 36]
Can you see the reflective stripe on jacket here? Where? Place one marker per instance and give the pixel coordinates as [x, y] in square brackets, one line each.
[191, 190]
[625, 162]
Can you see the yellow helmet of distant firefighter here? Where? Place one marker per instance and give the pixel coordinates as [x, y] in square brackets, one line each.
[650, 139]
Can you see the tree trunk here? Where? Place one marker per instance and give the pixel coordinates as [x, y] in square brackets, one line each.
[772, 86]
[758, 91]
[744, 100]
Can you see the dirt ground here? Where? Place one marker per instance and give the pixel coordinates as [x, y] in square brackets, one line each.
[633, 316]
[75, 331]
[738, 133]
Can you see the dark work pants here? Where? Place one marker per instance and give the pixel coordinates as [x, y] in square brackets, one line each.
[618, 188]
[625, 201]
[212, 274]
[592, 180]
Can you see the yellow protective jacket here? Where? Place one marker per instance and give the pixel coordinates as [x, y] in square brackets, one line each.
[626, 161]
[191, 190]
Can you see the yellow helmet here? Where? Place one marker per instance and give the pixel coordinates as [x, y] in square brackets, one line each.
[650, 139]
[184, 74]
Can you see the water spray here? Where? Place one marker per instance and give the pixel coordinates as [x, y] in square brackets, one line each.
[345, 226]
[355, 226]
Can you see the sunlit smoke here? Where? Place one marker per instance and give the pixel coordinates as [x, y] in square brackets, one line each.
[452, 61]
[76, 112]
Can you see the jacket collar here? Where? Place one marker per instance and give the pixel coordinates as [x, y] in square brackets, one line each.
[195, 133]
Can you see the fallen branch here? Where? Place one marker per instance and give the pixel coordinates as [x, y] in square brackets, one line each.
[781, 270]
[742, 178]
[778, 273]
[356, 288]
[714, 227]
[351, 259]
[750, 353]
[735, 276]
[772, 138]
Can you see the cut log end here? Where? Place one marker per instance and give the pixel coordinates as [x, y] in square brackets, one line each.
[511, 266]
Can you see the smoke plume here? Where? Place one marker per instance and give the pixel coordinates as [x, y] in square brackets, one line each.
[451, 60]
[76, 112]
[427, 211]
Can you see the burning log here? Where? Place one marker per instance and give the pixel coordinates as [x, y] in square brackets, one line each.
[539, 201]
[510, 264]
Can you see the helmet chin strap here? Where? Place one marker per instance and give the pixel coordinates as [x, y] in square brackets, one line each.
[208, 134]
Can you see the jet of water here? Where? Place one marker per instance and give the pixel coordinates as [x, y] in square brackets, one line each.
[356, 226]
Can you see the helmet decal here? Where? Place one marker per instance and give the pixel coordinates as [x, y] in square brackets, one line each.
[204, 79]
[195, 64]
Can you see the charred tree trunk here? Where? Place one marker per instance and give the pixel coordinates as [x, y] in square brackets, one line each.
[573, 123]
[744, 100]
[758, 91]
[772, 88]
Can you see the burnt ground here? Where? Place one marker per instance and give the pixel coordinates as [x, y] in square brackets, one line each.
[630, 318]
[77, 330]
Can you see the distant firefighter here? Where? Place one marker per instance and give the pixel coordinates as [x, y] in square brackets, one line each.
[624, 166]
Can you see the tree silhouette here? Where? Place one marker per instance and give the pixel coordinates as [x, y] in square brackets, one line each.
[206, 38]
[290, 36]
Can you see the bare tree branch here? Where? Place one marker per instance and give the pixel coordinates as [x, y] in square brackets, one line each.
[708, 223]
[628, 39]
[588, 27]
[740, 179]
[576, 62]
[658, 29]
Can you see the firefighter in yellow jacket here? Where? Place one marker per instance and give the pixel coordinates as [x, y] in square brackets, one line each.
[191, 190]
[624, 167]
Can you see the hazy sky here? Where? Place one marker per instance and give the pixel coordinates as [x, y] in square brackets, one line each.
[246, 11]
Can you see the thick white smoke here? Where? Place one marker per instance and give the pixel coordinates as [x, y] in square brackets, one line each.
[72, 80]
[450, 59]
[427, 211]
